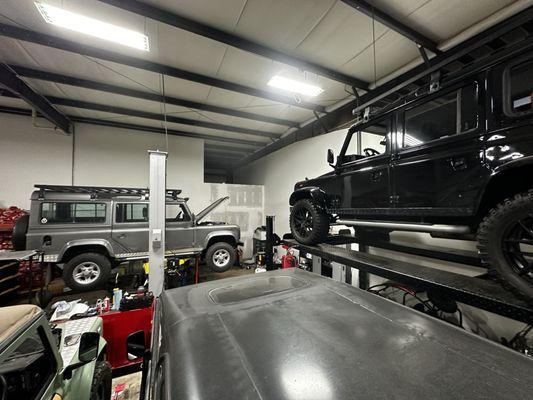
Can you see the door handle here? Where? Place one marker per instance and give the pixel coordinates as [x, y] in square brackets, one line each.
[457, 164]
[122, 236]
[376, 176]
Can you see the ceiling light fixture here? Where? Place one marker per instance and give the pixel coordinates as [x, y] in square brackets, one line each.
[93, 27]
[294, 86]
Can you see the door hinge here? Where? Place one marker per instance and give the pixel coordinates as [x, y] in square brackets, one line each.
[394, 199]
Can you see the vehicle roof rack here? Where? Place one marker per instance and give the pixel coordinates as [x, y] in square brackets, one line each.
[103, 191]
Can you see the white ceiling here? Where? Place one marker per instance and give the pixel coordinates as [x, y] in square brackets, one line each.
[325, 32]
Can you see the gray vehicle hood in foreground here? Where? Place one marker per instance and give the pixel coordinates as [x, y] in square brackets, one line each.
[238, 338]
[210, 208]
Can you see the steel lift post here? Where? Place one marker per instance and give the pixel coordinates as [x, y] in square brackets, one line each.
[156, 220]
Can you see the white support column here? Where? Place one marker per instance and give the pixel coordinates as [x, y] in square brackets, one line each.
[156, 220]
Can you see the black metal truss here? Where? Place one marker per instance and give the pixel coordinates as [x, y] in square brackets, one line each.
[344, 116]
[237, 150]
[87, 105]
[169, 18]
[136, 127]
[10, 81]
[109, 88]
[392, 23]
[108, 55]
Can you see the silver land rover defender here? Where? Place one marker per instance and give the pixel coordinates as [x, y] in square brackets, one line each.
[91, 229]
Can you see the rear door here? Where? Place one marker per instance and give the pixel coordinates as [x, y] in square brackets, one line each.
[130, 226]
[439, 166]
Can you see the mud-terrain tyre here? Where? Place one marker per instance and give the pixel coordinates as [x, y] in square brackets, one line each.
[101, 384]
[220, 257]
[87, 271]
[500, 236]
[309, 223]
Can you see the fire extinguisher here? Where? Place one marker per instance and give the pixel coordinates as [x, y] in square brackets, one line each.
[288, 260]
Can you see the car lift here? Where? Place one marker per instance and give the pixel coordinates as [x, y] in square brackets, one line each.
[479, 292]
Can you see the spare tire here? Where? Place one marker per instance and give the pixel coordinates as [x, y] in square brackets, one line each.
[19, 233]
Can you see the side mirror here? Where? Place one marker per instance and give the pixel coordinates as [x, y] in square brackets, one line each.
[89, 342]
[331, 157]
[87, 352]
[135, 345]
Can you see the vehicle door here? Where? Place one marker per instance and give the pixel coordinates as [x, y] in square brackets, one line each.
[363, 171]
[438, 168]
[130, 226]
[179, 231]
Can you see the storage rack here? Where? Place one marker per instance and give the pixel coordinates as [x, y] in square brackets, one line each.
[479, 292]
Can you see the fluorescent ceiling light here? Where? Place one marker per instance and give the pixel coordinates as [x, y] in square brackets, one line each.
[89, 26]
[291, 85]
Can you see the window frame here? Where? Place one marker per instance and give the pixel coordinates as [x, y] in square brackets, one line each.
[441, 93]
[184, 208]
[373, 121]
[129, 222]
[507, 89]
[48, 222]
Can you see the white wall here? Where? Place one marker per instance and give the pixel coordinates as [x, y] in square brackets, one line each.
[105, 156]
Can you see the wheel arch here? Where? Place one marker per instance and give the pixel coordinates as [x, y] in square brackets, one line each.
[505, 182]
[311, 192]
[77, 247]
[223, 236]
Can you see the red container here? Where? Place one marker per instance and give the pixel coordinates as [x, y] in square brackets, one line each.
[117, 326]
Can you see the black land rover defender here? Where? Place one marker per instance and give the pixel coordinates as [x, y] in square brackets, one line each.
[456, 162]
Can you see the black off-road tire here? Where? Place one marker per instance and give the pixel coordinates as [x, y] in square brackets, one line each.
[100, 260]
[320, 222]
[490, 242]
[101, 384]
[20, 229]
[220, 248]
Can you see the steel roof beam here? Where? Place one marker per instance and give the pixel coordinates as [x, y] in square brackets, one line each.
[136, 62]
[392, 23]
[136, 127]
[11, 82]
[169, 18]
[235, 150]
[105, 87]
[87, 105]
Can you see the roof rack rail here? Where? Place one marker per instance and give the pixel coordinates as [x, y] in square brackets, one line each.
[101, 191]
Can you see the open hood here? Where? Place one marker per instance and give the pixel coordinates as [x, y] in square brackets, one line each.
[210, 208]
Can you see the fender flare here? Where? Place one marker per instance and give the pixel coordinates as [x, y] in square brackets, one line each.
[497, 174]
[311, 192]
[225, 232]
[85, 242]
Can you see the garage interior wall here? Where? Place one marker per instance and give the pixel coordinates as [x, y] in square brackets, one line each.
[105, 156]
[279, 171]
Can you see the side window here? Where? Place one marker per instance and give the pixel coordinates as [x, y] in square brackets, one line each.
[177, 213]
[521, 88]
[374, 137]
[26, 371]
[64, 213]
[447, 115]
[131, 212]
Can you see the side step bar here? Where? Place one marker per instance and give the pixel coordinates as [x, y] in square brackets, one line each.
[406, 226]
